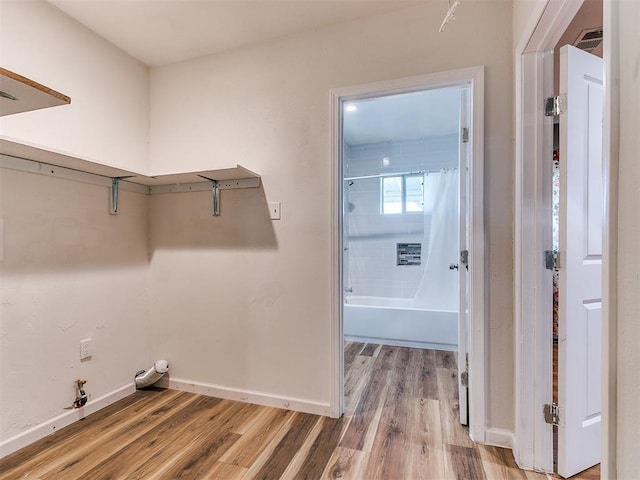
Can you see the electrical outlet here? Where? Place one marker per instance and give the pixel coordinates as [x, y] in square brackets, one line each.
[86, 348]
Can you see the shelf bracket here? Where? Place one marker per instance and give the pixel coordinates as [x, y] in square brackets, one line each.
[215, 190]
[115, 184]
[115, 194]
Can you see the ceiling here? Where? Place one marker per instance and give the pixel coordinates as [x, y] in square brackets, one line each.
[161, 32]
[407, 116]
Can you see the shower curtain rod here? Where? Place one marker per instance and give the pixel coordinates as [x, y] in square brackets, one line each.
[398, 174]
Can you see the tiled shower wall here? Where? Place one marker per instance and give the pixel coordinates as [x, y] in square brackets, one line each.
[370, 236]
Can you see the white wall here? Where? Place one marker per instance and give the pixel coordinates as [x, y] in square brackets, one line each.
[244, 302]
[628, 279]
[525, 14]
[108, 119]
[70, 271]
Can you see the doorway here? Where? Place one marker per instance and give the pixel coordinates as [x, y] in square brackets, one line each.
[400, 158]
[572, 22]
[578, 73]
[398, 191]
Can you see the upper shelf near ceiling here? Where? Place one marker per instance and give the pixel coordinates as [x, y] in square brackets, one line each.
[20, 94]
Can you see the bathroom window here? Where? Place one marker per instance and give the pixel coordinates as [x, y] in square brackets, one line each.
[402, 194]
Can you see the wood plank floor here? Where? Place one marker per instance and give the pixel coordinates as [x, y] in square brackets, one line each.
[400, 424]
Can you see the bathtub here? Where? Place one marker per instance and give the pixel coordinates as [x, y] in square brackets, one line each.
[395, 321]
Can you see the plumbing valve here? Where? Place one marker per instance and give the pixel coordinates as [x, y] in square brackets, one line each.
[81, 396]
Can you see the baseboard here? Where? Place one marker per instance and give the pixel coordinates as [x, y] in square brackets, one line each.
[448, 347]
[67, 418]
[247, 396]
[499, 437]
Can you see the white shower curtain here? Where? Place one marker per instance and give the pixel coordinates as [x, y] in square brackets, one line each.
[438, 289]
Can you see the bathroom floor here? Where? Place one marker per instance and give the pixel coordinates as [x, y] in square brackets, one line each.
[401, 422]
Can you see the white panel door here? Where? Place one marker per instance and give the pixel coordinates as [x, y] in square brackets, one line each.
[580, 288]
[463, 237]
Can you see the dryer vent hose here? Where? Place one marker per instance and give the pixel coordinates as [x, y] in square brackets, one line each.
[146, 378]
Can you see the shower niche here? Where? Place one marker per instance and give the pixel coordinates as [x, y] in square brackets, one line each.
[408, 254]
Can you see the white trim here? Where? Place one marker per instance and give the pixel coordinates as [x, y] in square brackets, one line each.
[479, 294]
[499, 437]
[447, 347]
[431, 81]
[533, 440]
[473, 76]
[337, 344]
[554, 20]
[533, 447]
[250, 396]
[65, 419]
[610, 145]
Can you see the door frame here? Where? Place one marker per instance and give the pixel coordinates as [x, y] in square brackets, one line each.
[533, 440]
[474, 78]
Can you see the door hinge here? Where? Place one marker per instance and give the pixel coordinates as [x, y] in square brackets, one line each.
[551, 413]
[551, 259]
[465, 135]
[464, 258]
[554, 106]
[464, 376]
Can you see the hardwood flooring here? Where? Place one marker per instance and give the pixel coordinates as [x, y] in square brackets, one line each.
[401, 423]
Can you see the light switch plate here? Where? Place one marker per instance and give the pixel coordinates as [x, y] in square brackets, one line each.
[274, 210]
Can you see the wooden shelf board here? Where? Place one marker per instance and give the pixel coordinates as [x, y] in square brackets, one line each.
[16, 149]
[31, 95]
[234, 173]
